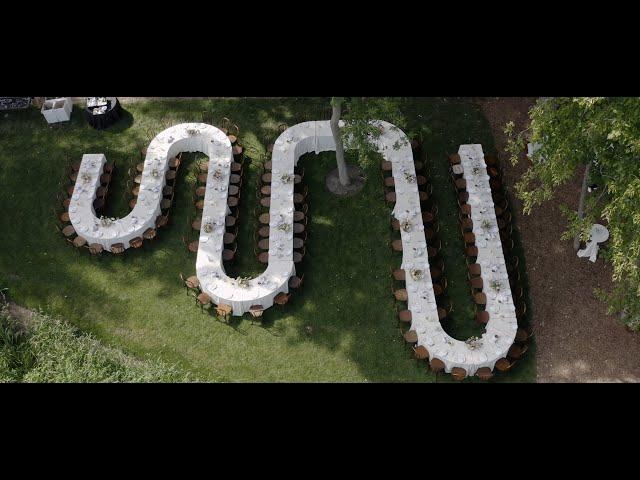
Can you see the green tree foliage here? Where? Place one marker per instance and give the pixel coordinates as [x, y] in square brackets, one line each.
[604, 132]
[50, 350]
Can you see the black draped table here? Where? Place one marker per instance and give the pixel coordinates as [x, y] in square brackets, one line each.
[111, 114]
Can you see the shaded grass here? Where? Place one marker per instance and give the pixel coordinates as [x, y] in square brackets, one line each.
[342, 327]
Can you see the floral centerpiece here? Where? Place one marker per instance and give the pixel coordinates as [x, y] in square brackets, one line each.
[155, 173]
[473, 343]
[486, 225]
[285, 227]
[243, 282]
[406, 225]
[475, 170]
[217, 174]
[496, 285]
[207, 227]
[286, 178]
[409, 177]
[416, 274]
[193, 131]
[86, 177]
[107, 221]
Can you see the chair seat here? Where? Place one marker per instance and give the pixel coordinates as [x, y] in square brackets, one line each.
[482, 317]
[193, 246]
[298, 216]
[458, 373]
[149, 234]
[401, 295]
[397, 245]
[234, 190]
[263, 257]
[411, 336]
[265, 202]
[405, 316]
[266, 190]
[390, 197]
[421, 352]
[228, 238]
[233, 201]
[68, 231]
[227, 255]
[386, 166]
[399, 274]
[79, 242]
[484, 373]
[436, 365]
[264, 219]
[263, 244]
[171, 175]
[117, 248]
[281, 299]
[203, 299]
[503, 365]
[264, 231]
[480, 298]
[230, 221]
[298, 243]
[298, 228]
[135, 242]
[162, 221]
[297, 257]
[201, 191]
[475, 269]
[266, 178]
[294, 282]
[64, 217]
[192, 282]
[95, 248]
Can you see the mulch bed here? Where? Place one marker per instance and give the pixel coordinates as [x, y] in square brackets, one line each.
[576, 340]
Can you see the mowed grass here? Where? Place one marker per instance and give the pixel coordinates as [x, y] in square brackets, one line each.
[341, 328]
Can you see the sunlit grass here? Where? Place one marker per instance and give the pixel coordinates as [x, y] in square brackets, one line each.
[341, 328]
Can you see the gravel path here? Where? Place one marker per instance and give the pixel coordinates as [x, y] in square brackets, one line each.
[577, 341]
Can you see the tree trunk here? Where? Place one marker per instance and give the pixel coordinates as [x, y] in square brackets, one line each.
[336, 112]
[583, 196]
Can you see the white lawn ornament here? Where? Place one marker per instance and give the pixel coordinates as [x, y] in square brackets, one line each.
[599, 234]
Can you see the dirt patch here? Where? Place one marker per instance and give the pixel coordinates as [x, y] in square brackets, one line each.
[357, 182]
[576, 340]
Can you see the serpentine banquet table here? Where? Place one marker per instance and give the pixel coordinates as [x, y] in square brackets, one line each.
[500, 331]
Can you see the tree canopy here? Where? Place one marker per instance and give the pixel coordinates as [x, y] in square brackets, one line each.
[602, 133]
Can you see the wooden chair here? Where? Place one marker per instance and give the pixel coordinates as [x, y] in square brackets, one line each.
[135, 242]
[224, 311]
[191, 283]
[68, 231]
[296, 282]
[503, 365]
[482, 317]
[256, 311]
[480, 299]
[436, 365]
[405, 316]
[282, 299]
[399, 274]
[95, 249]
[229, 254]
[203, 301]
[149, 234]
[411, 337]
[484, 373]
[117, 248]
[516, 351]
[400, 295]
[454, 159]
[79, 242]
[458, 374]
[420, 352]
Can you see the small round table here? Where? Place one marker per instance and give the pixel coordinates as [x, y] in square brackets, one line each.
[108, 116]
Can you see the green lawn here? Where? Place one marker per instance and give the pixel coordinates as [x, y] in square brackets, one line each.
[342, 327]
